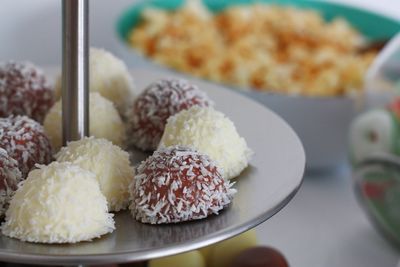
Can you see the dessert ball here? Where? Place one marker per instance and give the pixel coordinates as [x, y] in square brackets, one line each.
[108, 162]
[10, 176]
[374, 132]
[259, 257]
[191, 258]
[58, 203]
[212, 133]
[178, 184]
[108, 76]
[24, 91]
[159, 101]
[104, 122]
[25, 140]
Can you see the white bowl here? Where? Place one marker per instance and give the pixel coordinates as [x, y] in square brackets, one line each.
[321, 123]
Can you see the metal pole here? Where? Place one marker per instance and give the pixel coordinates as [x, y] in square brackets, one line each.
[75, 53]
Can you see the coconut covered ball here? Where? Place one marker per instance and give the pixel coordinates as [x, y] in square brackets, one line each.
[159, 101]
[109, 76]
[178, 184]
[108, 162]
[10, 176]
[25, 141]
[104, 120]
[24, 90]
[212, 133]
[58, 203]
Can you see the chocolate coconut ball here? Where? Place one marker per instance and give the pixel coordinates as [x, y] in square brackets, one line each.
[25, 141]
[10, 176]
[178, 184]
[159, 101]
[24, 91]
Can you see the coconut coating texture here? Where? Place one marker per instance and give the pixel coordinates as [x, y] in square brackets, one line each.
[10, 176]
[108, 76]
[24, 90]
[159, 101]
[178, 184]
[212, 133]
[25, 141]
[105, 122]
[108, 162]
[58, 203]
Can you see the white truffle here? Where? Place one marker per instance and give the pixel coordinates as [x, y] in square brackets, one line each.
[108, 162]
[58, 203]
[212, 133]
[104, 120]
[109, 76]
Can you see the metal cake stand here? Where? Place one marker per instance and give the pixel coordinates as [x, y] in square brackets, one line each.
[266, 186]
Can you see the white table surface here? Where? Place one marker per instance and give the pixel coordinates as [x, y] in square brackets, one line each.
[322, 226]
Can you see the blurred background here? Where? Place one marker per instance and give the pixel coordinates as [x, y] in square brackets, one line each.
[31, 28]
[323, 225]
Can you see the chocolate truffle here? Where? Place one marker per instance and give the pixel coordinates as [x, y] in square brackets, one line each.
[178, 184]
[25, 141]
[24, 90]
[10, 176]
[159, 101]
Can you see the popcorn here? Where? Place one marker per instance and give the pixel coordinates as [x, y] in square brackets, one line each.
[270, 48]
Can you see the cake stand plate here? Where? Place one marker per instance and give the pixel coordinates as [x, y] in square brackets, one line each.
[265, 187]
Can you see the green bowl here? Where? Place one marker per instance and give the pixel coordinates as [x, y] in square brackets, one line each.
[371, 25]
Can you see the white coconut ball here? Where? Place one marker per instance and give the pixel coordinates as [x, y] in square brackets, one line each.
[212, 133]
[109, 76]
[108, 162]
[58, 203]
[104, 122]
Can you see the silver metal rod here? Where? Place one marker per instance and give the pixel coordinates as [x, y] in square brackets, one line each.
[75, 72]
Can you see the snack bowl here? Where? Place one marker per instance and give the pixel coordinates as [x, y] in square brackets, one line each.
[322, 123]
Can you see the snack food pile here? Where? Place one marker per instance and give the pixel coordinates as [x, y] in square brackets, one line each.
[266, 47]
